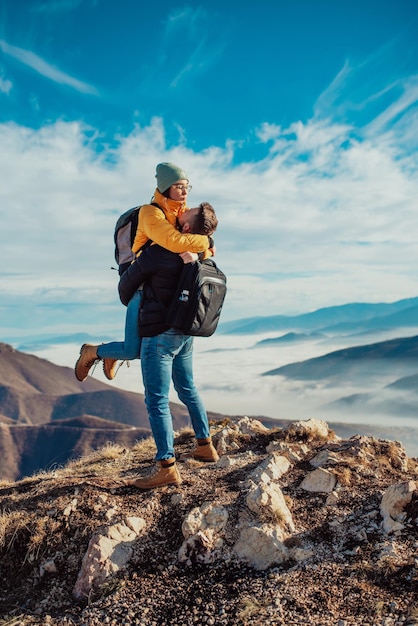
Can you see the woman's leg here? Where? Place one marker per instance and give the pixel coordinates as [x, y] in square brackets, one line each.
[128, 349]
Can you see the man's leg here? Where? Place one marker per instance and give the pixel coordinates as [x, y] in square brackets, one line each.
[186, 390]
[157, 354]
[188, 394]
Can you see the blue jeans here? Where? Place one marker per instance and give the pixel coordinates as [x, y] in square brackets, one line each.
[128, 349]
[165, 357]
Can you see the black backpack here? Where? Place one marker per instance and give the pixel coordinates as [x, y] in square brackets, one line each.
[198, 301]
[125, 231]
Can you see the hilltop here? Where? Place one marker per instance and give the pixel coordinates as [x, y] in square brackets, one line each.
[293, 525]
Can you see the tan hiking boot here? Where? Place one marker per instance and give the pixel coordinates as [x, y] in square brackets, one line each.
[86, 360]
[205, 451]
[109, 368]
[167, 474]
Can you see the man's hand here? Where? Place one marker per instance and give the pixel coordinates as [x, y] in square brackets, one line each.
[189, 257]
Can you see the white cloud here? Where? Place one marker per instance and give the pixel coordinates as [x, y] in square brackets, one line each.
[5, 85]
[35, 62]
[328, 216]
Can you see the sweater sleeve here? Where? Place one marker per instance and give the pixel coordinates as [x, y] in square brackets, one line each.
[157, 228]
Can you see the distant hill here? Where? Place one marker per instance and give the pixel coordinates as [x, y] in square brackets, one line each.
[409, 383]
[24, 450]
[405, 405]
[406, 318]
[289, 338]
[329, 317]
[48, 417]
[396, 355]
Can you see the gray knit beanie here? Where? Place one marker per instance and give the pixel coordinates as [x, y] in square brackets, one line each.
[168, 174]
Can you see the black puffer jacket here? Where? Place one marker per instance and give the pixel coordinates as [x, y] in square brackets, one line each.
[159, 270]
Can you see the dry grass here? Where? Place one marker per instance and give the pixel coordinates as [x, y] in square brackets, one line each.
[6, 483]
[18, 620]
[42, 535]
[11, 524]
[343, 475]
[249, 607]
[145, 448]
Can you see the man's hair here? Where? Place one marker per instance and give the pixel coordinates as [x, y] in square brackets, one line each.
[205, 221]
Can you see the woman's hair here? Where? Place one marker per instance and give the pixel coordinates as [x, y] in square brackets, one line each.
[205, 222]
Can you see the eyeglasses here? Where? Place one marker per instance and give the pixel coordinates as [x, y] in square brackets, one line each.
[182, 187]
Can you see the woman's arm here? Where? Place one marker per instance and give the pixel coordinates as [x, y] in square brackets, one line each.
[154, 224]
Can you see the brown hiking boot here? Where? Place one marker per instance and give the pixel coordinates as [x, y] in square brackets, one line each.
[109, 368]
[86, 360]
[167, 474]
[205, 452]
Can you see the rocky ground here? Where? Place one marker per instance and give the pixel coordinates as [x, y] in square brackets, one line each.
[345, 558]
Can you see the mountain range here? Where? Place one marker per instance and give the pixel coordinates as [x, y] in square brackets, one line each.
[355, 317]
[392, 356]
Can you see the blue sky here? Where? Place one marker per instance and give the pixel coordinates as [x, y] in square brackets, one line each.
[297, 120]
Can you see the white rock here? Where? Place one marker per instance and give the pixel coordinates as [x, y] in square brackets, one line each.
[203, 547]
[272, 468]
[223, 440]
[332, 498]
[325, 457]
[107, 553]
[319, 481]
[226, 461]
[312, 429]
[285, 448]
[252, 427]
[208, 516]
[261, 546]
[267, 500]
[393, 503]
[136, 524]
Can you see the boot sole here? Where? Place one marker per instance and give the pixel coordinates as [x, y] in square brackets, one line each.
[81, 380]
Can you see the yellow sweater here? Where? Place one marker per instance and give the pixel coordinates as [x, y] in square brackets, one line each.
[162, 230]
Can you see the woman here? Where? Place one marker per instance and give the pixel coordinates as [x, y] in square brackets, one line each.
[160, 225]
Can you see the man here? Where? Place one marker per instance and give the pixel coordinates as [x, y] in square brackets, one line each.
[166, 353]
